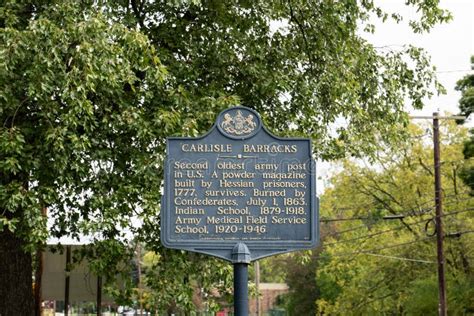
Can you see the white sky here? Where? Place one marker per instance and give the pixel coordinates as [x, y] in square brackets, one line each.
[450, 46]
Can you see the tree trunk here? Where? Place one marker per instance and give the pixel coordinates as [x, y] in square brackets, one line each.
[16, 291]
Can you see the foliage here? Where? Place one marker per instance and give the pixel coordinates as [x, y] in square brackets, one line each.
[466, 87]
[298, 271]
[466, 105]
[467, 173]
[372, 264]
[89, 90]
[273, 269]
[303, 286]
[204, 278]
[302, 64]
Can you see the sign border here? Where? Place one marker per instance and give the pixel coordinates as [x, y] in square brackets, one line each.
[223, 248]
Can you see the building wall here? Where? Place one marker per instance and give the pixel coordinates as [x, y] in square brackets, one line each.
[268, 296]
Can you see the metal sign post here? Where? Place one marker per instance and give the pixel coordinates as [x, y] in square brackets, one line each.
[239, 193]
[241, 290]
[241, 260]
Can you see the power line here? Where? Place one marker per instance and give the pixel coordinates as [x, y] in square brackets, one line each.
[413, 209]
[458, 212]
[450, 71]
[345, 254]
[459, 234]
[381, 248]
[419, 136]
[373, 234]
[387, 217]
[346, 230]
[336, 233]
[395, 229]
[430, 117]
[399, 258]
[458, 200]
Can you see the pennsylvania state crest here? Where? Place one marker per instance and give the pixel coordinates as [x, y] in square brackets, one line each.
[238, 124]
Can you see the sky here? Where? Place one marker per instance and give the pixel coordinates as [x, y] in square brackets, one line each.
[450, 46]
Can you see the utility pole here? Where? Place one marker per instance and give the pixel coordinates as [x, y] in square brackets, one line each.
[442, 305]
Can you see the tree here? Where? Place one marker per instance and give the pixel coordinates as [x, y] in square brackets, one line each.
[302, 283]
[466, 105]
[90, 89]
[466, 87]
[379, 249]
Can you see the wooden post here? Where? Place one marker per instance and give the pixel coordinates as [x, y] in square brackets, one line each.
[442, 307]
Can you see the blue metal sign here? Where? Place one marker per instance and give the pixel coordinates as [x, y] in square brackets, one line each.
[239, 192]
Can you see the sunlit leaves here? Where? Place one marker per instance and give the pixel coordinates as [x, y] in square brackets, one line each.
[303, 65]
[372, 264]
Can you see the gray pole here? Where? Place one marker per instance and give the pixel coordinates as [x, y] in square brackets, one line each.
[257, 285]
[240, 260]
[241, 290]
[442, 308]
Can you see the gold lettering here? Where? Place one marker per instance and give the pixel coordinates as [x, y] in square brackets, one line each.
[179, 229]
[188, 220]
[191, 165]
[283, 184]
[225, 192]
[232, 211]
[189, 210]
[296, 166]
[236, 184]
[206, 148]
[273, 148]
[229, 165]
[182, 201]
[238, 175]
[258, 192]
[279, 175]
[256, 219]
[224, 220]
[288, 220]
[266, 166]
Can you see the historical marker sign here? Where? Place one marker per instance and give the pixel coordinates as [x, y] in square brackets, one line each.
[239, 185]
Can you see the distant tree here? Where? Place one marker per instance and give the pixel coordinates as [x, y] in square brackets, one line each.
[466, 87]
[302, 283]
[467, 174]
[379, 252]
[466, 105]
[273, 269]
[298, 271]
[89, 90]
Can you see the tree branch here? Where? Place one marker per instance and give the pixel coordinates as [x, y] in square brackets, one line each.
[303, 33]
[137, 10]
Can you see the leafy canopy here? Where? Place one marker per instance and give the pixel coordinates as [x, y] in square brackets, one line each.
[371, 264]
[90, 89]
